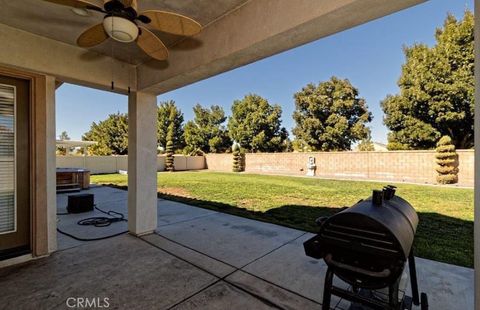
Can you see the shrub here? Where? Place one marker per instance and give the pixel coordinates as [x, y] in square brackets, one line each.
[366, 145]
[237, 158]
[169, 161]
[447, 163]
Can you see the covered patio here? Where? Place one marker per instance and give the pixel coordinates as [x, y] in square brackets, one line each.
[196, 258]
[174, 255]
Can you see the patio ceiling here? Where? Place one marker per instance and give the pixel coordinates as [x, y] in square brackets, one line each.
[60, 23]
[41, 37]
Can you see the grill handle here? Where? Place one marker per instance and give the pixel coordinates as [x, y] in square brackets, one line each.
[375, 274]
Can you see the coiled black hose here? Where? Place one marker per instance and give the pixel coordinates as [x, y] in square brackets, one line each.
[98, 221]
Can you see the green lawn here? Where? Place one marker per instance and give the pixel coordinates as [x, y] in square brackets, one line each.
[445, 232]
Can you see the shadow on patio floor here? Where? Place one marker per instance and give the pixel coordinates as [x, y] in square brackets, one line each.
[439, 237]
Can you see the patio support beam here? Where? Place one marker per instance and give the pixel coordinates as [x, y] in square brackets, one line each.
[256, 30]
[142, 163]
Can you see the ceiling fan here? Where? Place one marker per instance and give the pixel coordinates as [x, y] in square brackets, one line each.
[121, 23]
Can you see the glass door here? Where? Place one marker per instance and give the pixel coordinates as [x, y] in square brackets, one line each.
[8, 221]
[14, 167]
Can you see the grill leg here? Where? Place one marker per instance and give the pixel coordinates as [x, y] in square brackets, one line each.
[393, 295]
[327, 290]
[413, 278]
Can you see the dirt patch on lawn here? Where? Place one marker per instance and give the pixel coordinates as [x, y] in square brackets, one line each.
[175, 191]
[249, 204]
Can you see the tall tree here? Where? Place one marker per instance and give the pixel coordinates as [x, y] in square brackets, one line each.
[256, 125]
[206, 133]
[111, 136]
[63, 150]
[436, 95]
[164, 119]
[330, 116]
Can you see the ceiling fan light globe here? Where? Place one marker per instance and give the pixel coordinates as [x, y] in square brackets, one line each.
[120, 29]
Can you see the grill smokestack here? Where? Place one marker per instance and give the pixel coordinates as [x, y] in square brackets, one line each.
[377, 197]
[389, 192]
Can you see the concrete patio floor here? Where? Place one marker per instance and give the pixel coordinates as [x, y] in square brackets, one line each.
[197, 259]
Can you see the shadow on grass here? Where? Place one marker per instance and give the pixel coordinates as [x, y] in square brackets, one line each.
[439, 237]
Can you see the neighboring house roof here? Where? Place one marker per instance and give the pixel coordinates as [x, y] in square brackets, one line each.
[377, 146]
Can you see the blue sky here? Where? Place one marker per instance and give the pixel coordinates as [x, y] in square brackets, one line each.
[370, 56]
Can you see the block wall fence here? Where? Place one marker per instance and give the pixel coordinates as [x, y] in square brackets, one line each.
[112, 164]
[398, 166]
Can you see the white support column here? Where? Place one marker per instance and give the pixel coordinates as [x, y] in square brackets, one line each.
[477, 158]
[142, 163]
[50, 147]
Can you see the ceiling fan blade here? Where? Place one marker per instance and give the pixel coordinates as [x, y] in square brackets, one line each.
[126, 3]
[82, 4]
[130, 4]
[151, 44]
[172, 23]
[134, 5]
[92, 36]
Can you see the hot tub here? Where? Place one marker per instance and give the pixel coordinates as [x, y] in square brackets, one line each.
[72, 179]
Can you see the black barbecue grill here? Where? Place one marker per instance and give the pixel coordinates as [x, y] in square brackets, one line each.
[367, 246]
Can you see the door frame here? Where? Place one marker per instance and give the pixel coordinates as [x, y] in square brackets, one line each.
[38, 158]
